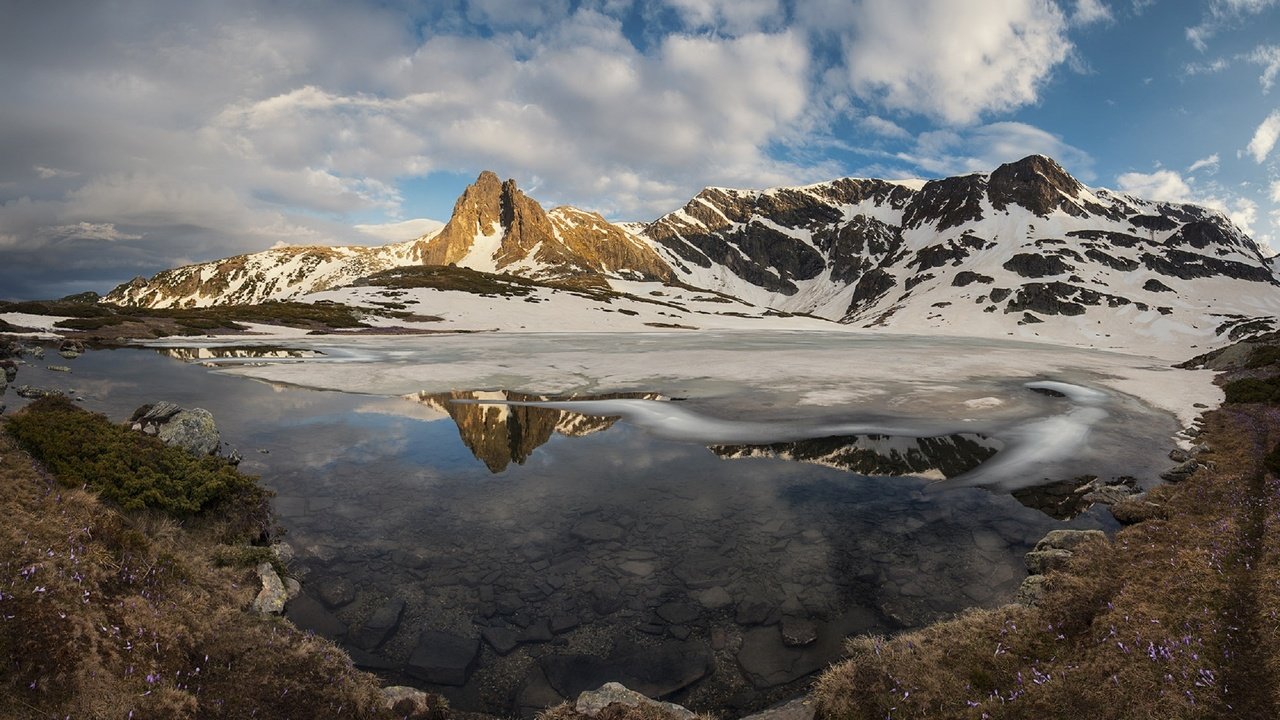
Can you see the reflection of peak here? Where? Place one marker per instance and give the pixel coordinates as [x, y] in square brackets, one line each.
[498, 433]
[936, 457]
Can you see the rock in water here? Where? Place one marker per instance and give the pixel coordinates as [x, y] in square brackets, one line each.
[592, 702]
[442, 658]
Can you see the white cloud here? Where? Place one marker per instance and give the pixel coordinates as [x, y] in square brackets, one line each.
[1212, 67]
[1166, 185]
[884, 128]
[48, 173]
[1222, 14]
[1170, 186]
[88, 231]
[731, 16]
[983, 148]
[1275, 191]
[1088, 12]
[1209, 163]
[1264, 138]
[1268, 56]
[402, 230]
[954, 61]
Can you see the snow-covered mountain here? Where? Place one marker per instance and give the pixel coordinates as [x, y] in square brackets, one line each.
[1027, 241]
[494, 228]
[1026, 250]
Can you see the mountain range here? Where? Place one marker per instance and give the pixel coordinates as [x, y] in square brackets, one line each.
[1026, 250]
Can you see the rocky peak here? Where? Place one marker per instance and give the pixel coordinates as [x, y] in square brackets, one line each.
[478, 211]
[1036, 183]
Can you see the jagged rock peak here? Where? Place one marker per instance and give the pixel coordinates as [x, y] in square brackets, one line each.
[1035, 182]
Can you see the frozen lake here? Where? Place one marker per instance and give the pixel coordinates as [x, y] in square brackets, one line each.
[514, 518]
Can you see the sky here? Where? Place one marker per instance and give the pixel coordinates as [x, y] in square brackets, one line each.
[137, 135]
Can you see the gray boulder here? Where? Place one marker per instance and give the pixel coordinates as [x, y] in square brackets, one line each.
[192, 430]
[273, 596]
[1068, 539]
[592, 702]
[1032, 590]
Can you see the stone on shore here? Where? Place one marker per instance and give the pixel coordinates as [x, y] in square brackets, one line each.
[592, 702]
[272, 597]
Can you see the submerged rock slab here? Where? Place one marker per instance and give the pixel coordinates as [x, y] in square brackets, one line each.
[656, 672]
[443, 658]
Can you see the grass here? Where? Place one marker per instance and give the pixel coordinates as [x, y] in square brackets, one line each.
[114, 613]
[1174, 618]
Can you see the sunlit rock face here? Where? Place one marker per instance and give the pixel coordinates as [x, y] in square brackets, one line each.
[498, 433]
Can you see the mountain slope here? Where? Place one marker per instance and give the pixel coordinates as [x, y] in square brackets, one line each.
[977, 254]
[1026, 251]
[494, 228]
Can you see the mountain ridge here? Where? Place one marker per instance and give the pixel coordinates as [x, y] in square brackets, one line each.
[1026, 244]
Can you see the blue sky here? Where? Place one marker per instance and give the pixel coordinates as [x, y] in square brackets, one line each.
[143, 134]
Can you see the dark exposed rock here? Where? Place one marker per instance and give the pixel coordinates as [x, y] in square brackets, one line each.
[1029, 319]
[966, 277]
[1111, 261]
[1036, 183]
[852, 248]
[873, 286]
[1036, 266]
[443, 658]
[915, 280]
[1059, 298]
[947, 203]
[1189, 265]
[1154, 285]
[1158, 223]
[502, 640]
[999, 294]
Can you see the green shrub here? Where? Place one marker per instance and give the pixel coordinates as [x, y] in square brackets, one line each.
[93, 323]
[1253, 390]
[1264, 356]
[84, 449]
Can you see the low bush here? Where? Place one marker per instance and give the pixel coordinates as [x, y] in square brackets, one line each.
[84, 449]
[1253, 390]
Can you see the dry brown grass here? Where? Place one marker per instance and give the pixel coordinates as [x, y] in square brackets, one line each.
[1174, 618]
[106, 614]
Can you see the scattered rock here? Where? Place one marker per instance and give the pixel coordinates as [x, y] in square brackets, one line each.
[596, 531]
[799, 709]
[1032, 590]
[33, 393]
[292, 588]
[10, 369]
[1041, 561]
[380, 626]
[336, 592]
[283, 552]
[414, 704]
[767, 661]
[753, 612]
[1181, 472]
[564, 623]
[443, 658]
[58, 368]
[715, 598]
[502, 640]
[678, 613]
[798, 632]
[1179, 455]
[1136, 509]
[272, 597]
[1068, 539]
[591, 703]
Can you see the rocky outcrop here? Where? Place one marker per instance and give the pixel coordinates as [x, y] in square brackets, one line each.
[1053, 552]
[272, 597]
[193, 430]
[1036, 183]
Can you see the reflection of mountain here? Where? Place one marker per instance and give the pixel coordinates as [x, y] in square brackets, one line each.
[221, 353]
[499, 434]
[939, 457]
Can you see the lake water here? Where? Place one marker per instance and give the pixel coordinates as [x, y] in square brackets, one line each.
[712, 550]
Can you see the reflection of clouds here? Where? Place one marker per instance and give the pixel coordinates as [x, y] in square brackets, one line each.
[402, 407]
